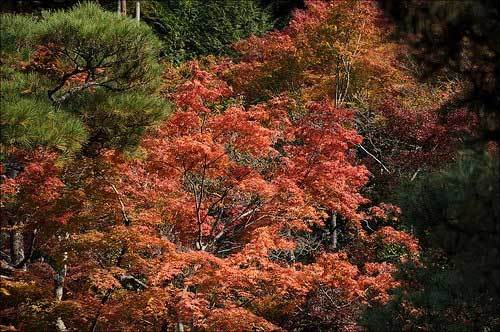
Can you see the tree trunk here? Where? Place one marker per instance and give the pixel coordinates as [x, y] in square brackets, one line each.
[123, 7]
[179, 327]
[292, 252]
[333, 230]
[138, 11]
[59, 278]
[59, 289]
[12, 169]
[16, 245]
[60, 326]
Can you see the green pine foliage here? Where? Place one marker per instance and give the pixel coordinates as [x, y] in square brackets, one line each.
[90, 38]
[102, 91]
[17, 33]
[28, 119]
[28, 123]
[119, 120]
[456, 215]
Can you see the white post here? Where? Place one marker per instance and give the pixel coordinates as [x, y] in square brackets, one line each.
[119, 7]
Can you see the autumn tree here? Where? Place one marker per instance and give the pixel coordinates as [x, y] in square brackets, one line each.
[207, 220]
[66, 96]
[345, 50]
[339, 49]
[237, 212]
[459, 39]
[204, 225]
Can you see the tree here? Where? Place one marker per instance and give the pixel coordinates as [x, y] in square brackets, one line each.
[67, 95]
[204, 225]
[454, 214]
[320, 53]
[344, 50]
[460, 39]
[236, 213]
[28, 117]
[189, 29]
[81, 88]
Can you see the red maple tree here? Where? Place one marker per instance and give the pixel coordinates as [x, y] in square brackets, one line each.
[236, 214]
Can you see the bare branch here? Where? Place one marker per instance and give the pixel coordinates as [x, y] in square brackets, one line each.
[375, 158]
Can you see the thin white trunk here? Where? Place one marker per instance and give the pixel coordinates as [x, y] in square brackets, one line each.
[59, 278]
[16, 236]
[59, 290]
[334, 231]
[179, 327]
[292, 252]
[138, 11]
[60, 326]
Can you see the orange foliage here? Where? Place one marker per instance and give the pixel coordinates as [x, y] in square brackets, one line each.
[201, 229]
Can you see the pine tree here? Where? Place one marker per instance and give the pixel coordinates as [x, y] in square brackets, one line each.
[66, 76]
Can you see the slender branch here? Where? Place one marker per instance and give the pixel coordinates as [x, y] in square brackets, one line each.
[332, 301]
[134, 279]
[415, 175]
[198, 206]
[64, 79]
[347, 66]
[375, 158]
[126, 219]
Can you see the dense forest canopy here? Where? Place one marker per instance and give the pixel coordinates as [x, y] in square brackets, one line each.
[189, 165]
